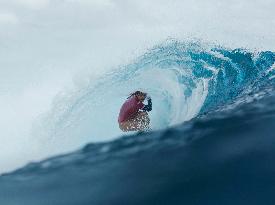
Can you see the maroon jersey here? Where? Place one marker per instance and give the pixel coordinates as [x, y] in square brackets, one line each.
[129, 109]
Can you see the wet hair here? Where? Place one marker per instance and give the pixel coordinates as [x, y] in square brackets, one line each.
[136, 93]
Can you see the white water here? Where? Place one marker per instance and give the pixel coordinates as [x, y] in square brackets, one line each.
[50, 46]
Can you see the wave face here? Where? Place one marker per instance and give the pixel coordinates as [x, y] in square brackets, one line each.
[184, 79]
[212, 141]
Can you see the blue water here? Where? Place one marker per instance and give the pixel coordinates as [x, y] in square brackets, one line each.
[212, 140]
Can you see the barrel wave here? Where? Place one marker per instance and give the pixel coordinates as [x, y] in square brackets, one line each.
[184, 79]
[211, 140]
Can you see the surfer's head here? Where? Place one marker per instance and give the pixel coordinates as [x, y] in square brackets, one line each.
[139, 95]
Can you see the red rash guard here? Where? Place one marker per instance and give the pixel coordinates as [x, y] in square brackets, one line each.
[129, 109]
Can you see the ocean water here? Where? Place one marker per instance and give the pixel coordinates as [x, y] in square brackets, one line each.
[67, 66]
[212, 140]
[54, 53]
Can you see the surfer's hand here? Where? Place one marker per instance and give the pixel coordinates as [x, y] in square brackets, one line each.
[148, 107]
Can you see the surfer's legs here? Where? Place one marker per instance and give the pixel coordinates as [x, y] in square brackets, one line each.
[138, 123]
[142, 121]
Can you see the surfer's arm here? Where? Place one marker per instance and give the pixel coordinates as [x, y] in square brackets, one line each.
[148, 107]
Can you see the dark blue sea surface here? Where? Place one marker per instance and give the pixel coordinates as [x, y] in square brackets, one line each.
[222, 156]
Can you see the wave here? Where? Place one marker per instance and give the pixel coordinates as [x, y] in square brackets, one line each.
[184, 79]
[212, 138]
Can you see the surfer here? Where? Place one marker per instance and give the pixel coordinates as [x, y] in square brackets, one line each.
[133, 115]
